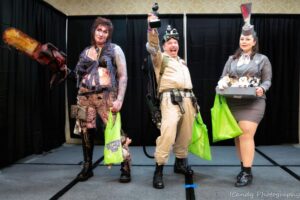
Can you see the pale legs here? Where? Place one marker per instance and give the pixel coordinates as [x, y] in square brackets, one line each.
[245, 146]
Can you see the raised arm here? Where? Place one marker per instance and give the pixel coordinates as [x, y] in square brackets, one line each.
[153, 43]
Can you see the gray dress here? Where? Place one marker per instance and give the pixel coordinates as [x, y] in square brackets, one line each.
[249, 109]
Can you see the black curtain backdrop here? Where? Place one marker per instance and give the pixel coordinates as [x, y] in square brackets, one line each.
[211, 39]
[31, 115]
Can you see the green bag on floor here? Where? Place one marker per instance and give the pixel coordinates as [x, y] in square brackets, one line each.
[224, 125]
[199, 144]
[112, 135]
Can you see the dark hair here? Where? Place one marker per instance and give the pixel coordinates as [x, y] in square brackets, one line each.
[104, 22]
[255, 49]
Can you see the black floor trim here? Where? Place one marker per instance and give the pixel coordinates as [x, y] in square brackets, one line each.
[73, 182]
[71, 164]
[293, 174]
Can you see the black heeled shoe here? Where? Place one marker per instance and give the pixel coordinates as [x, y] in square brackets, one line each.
[239, 175]
[241, 172]
[244, 180]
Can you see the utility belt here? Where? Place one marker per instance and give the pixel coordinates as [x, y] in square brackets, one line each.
[177, 96]
[187, 93]
[94, 90]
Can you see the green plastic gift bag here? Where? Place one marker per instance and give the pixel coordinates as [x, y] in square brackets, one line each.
[224, 125]
[199, 144]
[112, 135]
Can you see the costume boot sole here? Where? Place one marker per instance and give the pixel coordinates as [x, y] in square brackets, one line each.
[158, 187]
[124, 180]
[243, 185]
[85, 178]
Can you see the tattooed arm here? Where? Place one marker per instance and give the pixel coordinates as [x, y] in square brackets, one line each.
[122, 78]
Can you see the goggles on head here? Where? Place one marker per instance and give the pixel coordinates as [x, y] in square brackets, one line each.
[170, 33]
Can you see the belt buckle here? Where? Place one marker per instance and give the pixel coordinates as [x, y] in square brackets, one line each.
[84, 85]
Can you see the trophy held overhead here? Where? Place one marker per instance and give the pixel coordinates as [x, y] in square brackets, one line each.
[156, 22]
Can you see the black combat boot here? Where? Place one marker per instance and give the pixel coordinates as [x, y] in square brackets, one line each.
[158, 177]
[87, 148]
[181, 166]
[125, 172]
[245, 177]
[241, 172]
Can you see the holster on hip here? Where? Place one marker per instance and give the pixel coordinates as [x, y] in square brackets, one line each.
[78, 112]
[177, 99]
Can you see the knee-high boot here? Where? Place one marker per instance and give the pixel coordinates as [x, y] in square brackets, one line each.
[87, 148]
[125, 176]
